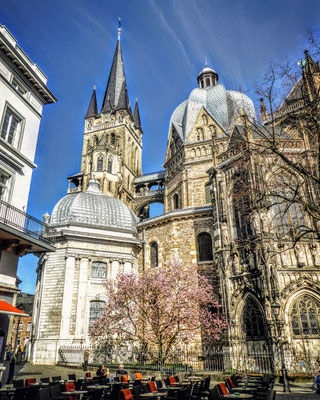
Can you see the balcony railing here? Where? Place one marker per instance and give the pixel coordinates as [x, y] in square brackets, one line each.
[25, 223]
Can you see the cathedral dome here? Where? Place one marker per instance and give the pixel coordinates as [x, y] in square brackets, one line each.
[92, 208]
[223, 105]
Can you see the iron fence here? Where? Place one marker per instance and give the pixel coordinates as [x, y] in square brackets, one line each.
[25, 223]
[224, 359]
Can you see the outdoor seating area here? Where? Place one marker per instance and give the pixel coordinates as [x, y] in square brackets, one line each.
[136, 387]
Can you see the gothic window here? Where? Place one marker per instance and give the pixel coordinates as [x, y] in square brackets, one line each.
[199, 134]
[176, 204]
[109, 186]
[204, 119]
[207, 193]
[100, 163]
[204, 247]
[305, 317]
[96, 311]
[110, 166]
[154, 254]
[213, 130]
[253, 321]
[288, 215]
[98, 270]
[113, 139]
[241, 206]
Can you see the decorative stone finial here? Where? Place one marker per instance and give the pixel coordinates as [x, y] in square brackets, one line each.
[46, 218]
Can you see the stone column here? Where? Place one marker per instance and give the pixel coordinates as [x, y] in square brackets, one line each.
[67, 298]
[81, 330]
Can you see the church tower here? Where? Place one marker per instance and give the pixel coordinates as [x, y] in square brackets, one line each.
[112, 140]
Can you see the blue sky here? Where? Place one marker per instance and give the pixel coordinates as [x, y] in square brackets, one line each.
[164, 44]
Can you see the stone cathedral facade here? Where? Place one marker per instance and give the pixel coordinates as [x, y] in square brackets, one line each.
[104, 226]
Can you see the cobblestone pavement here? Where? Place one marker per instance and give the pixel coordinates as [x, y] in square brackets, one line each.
[301, 391]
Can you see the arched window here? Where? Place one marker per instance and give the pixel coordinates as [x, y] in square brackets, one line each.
[154, 254]
[305, 317]
[98, 270]
[110, 166]
[204, 119]
[208, 82]
[176, 204]
[96, 311]
[253, 321]
[100, 163]
[113, 139]
[204, 247]
[241, 207]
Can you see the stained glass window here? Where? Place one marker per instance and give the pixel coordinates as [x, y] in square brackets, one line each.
[305, 317]
[253, 321]
[98, 270]
[96, 311]
[100, 164]
[154, 254]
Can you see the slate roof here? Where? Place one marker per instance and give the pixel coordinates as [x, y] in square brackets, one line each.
[136, 116]
[93, 108]
[116, 94]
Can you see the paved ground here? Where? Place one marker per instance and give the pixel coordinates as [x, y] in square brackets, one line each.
[298, 391]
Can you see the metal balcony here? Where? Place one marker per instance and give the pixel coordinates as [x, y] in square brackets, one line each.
[26, 231]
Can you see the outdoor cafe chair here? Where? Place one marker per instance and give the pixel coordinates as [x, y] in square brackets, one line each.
[29, 381]
[18, 383]
[45, 380]
[72, 377]
[44, 394]
[152, 386]
[136, 390]
[138, 375]
[171, 380]
[125, 394]
[124, 378]
[56, 378]
[222, 389]
[20, 393]
[229, 384]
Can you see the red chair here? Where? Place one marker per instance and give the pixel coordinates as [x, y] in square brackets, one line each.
[88, 375]
[125, 394]
[138, 376]
[124, 378]
[223, 388]
[152, 386]
[231, 382]
[172, 380]
[69, 386]
[29, 381]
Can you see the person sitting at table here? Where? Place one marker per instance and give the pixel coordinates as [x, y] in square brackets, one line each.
[101, 371]
[121, 370]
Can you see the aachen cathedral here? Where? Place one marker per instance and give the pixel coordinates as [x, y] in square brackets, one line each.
[211, 191]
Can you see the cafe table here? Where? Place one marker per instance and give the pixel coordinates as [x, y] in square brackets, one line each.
[98, 387]
[76, 394]
[153, 395]
[238, 396]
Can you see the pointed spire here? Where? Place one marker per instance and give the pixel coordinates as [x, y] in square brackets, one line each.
[116, 91]
[93, 108]
[136, 116]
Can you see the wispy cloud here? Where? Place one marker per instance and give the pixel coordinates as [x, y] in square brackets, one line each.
[171, 31]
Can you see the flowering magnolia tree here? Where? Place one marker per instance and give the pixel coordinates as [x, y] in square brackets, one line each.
[159, 310]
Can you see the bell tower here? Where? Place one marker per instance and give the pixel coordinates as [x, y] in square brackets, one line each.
[112, 140]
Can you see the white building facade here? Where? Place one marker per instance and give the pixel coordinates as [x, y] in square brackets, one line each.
[23, 93]
[96, 239]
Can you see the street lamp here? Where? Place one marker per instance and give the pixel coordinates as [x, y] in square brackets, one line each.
[275, 307]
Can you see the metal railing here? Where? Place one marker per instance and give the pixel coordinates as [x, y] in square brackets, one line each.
[25, 223]
[209, 360]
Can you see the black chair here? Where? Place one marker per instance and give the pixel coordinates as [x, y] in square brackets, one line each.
[45, 380]
[18, 383]
[72, 377]
[136, 391]
[56, 378]
[44, 394]
[197, 390]
[94, 395]
[55, 390]
[20, 393]
[214, 394]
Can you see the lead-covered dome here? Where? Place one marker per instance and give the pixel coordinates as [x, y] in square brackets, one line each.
[223, 105]
[92, 208]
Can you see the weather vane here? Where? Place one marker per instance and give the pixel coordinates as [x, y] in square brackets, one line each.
[119, 28]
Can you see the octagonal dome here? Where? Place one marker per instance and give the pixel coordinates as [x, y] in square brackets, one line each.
[94, 209]
[223, 105]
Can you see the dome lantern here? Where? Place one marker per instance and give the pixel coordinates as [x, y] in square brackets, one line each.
[207, 78]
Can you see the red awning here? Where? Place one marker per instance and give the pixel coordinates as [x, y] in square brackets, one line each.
[6, 308]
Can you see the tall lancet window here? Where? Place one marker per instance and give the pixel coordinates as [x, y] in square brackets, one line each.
[96, 311]
[110, 166]
[100, 163]
[113, 139]
[204, 247]
[154, 254]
